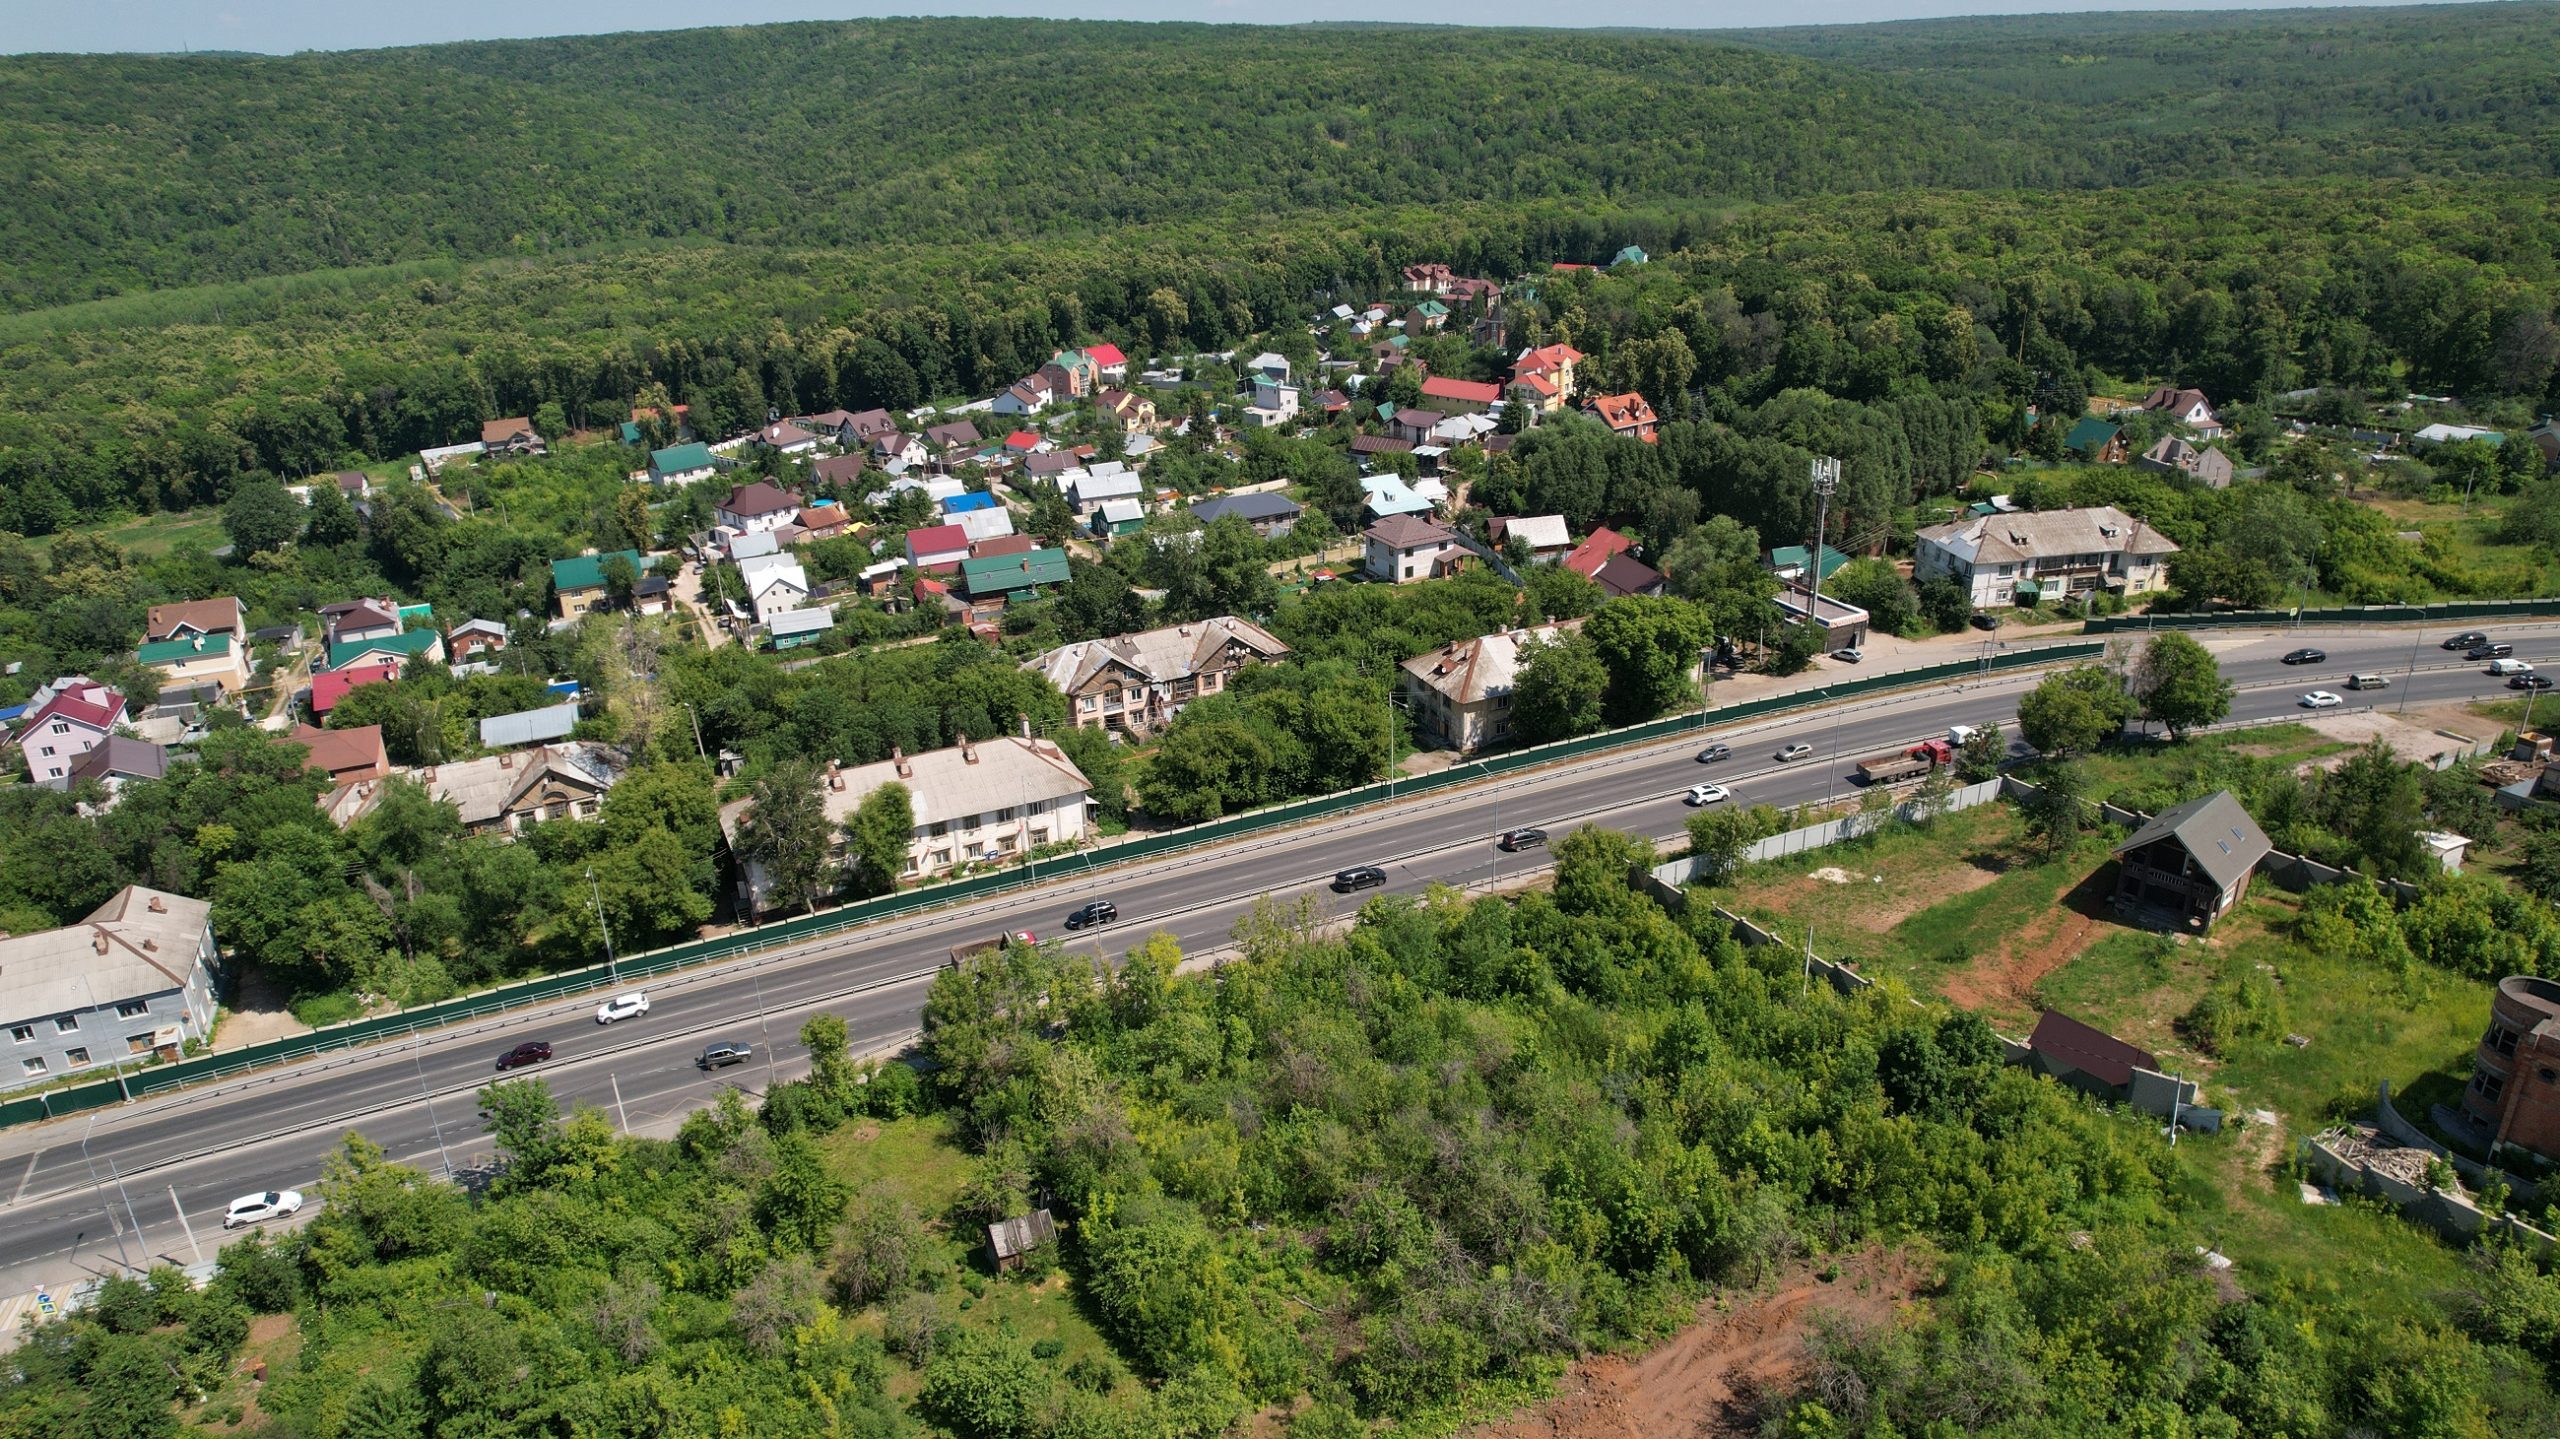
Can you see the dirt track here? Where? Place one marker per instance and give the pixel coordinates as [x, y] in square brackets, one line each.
[1711, 1379]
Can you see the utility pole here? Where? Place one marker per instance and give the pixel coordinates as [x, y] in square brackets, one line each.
[612, 974]
[1826, 483]
[190, 1229]
[618, 1111]
[433, 1122]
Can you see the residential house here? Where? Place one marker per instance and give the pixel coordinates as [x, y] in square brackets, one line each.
[995, 545]
[824, 520]
[1596, 550]
[1134, 684]
[1463, 430]
[635, 431]
[117, 761]
[330, 686]
[398, 650]
[682, 464]
[1023, 443]
[2187, 408]
[534, 726]
[785, 438]
[840, 472]
[1073, 373]
[62, 721]
[754, 509]
[1466, 290]
[1545, 537]
[971, 802]
[1460, 694]
[1012, 576]
[1010, 1240]
[1270, 515]
[870, 425]
[1792, 563]
[653, 594]
[773, 582]
[577, 583]
[1274, 404]
[1387, 495]
[1089, 489]
[2053, 554]
[501, 793]
[471, 640]
[1267, 367]
[356, 485]
[345, 755]
[360, 620]
[223, 616]
[983, 522]
[1426, 318]
[2172, 455]
[1405, 547]
[953, 440]
[897, 452]
[2087, 1059]
[790, 629]
[134, 980]
[509, 437]
[2193, 862]
[1627, 414]
[1460, 397]
[2096, 441]
[1622, 576]
[1414, 425]
[1366, 448]
[1432, 279]
[1108, 362]
[1133, 412]
[2456, 434]
[2514, 1094]
[834, 427]
[1028, 396]
[193, 658]
[1055, 465]
[937, 549]
[1631, 255]
[1330, 403]
[1842, 624]
[1114, 518]
[1546, 372]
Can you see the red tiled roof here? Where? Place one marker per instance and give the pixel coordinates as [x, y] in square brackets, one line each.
[331, 686]
[1622, 412]
[1596, 550]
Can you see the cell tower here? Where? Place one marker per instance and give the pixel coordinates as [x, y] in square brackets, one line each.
[1826, 483]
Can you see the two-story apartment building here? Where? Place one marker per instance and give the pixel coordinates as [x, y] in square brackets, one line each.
[133, 980]
[1135, 684]
[2050, 555]
[1460, 694]
[973, 801]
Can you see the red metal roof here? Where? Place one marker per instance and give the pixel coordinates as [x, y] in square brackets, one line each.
[331, 686]
[1022, 440]
[937, 540]
[88, 703]
[1440, 387]
[1106, 354]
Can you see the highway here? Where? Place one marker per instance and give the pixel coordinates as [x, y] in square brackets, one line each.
[76, 1188]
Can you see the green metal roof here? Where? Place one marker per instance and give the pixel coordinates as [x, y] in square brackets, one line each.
[998, 574]
[171, 651]
[676, 458]
[2090, 434]
[1797, 557]
[411, 643]
[586, 572]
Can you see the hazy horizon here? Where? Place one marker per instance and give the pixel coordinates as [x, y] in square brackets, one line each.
[287, 26]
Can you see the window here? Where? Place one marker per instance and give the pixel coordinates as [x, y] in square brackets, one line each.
[2502, 1039]
[2491, 1086]
[66, 1024]
[133, 1009]
[137, 1044]
[32, 1064]
[22, 1032]
[1004, 814]
[79, 1058]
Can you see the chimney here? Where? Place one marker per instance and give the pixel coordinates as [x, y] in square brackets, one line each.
[1026, 726]
[157, 905]
[968, 751]
[98, 942]
[898, 757]
[506, 761]
[152, 945]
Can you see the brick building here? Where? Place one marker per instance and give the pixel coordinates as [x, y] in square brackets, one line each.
[2515, 1072]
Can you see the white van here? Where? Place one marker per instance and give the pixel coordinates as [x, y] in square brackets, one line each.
[2509, 667]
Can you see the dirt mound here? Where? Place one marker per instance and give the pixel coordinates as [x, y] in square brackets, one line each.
[1715, 1376]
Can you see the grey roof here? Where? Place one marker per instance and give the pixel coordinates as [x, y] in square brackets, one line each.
[817, 619]
[530, 726]
[1021, 1234]
[1249, 507]
[141, 942]
[2225, 842]
[122, 758]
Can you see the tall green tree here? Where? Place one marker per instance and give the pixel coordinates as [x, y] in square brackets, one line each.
[2179, 683]
[2074, 710]
[785, 832]
[260, 517]
[1559, 690]
[1649, 645]
[877, 834]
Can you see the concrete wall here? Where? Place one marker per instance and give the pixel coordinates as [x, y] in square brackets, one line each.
[1689, 870]
[2388, 1119]
[2449, 1214]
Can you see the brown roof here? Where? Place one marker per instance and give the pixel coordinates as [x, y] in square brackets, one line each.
[1405, 532]
[346, 754]
[1379, 445]
[760, 498]
[995, 545]
[499, 432]
[1626, 575]
[837, 469]
[2093, 1052]
[1623, 412]
[205, 617]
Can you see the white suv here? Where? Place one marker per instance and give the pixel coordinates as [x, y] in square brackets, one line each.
[255, 1208]
[622, 1006]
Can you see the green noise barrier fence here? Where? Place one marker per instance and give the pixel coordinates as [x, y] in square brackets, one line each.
[2349, 615]
[159, 1078]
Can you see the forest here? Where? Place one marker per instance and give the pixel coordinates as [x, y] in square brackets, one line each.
[1399, 1175]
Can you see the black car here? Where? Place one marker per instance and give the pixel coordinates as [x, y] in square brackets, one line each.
[721, 1056]
[1359, 876]
[1982, 621]
[1095, 911]
[2493, 650]
[2306, 657]
[1516, 840]
[2529, 682]
[1715, 752]
[2466, 640]
[532, 1051]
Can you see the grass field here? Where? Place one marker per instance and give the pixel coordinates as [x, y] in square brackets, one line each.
[148, 537]
[2466, 537]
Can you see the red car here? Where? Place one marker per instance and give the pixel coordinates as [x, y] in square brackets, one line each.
[532, 1051]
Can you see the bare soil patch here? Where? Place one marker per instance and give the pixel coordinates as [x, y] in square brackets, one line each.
[2004, 979]
[1851, 896]
[1718, 1376]
[257, 1013]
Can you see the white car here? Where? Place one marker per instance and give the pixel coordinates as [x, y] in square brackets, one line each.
[2321, 700]
[1708, 793]
[622, 1006]
[257, 1208]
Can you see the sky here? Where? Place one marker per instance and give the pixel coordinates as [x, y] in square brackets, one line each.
[283, 26]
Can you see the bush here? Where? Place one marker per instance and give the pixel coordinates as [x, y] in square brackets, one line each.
[2244, 1009]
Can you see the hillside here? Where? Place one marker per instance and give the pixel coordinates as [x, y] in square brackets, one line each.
[154, 172]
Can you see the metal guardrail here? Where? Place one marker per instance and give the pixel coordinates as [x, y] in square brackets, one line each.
[2348, 614]
[162, 1078]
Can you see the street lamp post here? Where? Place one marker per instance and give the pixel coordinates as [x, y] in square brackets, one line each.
[696, 716]
[433, 1122]
[612, 973]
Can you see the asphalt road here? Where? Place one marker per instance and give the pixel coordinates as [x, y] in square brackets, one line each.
[76, 1188]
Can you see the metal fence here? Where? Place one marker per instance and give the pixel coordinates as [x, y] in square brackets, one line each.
[2345, 615]
[160, 1078]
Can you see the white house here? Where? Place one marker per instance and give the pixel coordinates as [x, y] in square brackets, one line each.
[1407, 547]
[1274, 405]
[758, 508]
[973, 801]
[64, 720]
[773, 582]
[2052, 555]
[1461, 693]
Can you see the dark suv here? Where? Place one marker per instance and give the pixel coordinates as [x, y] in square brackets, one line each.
[1359, 876]
[721, 1056]
[2466, 640]
[1095, 911]
[2493, 650]
[532, 1051]
[1520, 839]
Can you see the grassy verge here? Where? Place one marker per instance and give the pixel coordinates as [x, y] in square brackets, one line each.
[147, 537]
